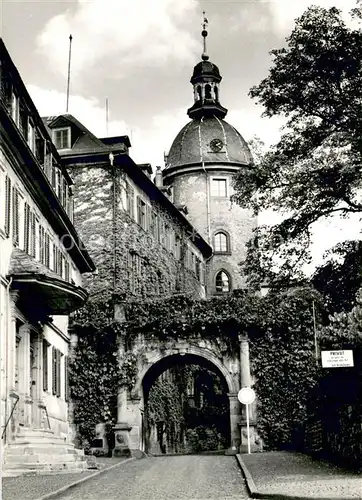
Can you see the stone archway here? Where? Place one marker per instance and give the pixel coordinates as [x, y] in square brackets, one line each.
[130, 425]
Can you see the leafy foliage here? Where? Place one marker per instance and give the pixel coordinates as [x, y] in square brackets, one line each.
[94, 374]
[314, 170]
[339, 279]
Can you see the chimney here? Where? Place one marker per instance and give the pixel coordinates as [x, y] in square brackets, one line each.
[158, 177]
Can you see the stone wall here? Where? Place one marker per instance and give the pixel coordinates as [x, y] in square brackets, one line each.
[142, 266]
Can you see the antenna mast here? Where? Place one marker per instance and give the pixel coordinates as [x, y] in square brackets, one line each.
[107, 117]
[68, 83]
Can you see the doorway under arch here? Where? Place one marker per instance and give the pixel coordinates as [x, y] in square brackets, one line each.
[205, 421]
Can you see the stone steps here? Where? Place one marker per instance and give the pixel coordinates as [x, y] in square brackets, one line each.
[40, 451]
[39, 448]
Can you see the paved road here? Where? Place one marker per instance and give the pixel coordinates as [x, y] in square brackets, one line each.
[166, 478]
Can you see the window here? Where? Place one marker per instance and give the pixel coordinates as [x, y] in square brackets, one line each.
[130, 201]
[15, 108]
[23, 121]
[56, 379]
[45, 365]
[41, 244]
[141, 212]
[40, 149]
[221, 242]
[59, 184]
[66, 270]
[32, 234]
[61, 138]
[167, 237]
[26, 227]
[58, 260]
[222, 282]
[29, 231]
[31, 136]
[178, 247]
[207, 91]
[218, 188]
[47, 250]
[154, 224]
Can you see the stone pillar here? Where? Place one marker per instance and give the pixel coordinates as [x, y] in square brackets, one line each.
[25, 401]
[12, 341]
[246, 381]
[72, 426]
[234, 424]
[38, 381]
[122, 428]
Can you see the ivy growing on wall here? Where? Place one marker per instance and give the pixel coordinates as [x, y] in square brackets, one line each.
[279, 326]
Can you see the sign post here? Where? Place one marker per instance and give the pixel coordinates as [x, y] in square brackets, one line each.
[246, 396]
[337, 359]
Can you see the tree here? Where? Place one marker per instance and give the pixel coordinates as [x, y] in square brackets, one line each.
[339, 279]
[315, 170]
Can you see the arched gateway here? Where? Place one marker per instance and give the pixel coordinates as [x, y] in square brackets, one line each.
[154, 357]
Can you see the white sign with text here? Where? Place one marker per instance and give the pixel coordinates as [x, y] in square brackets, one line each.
[337, 359]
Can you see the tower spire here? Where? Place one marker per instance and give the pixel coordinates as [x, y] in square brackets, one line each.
[204, 34]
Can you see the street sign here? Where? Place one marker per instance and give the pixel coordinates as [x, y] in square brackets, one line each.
[337, 359]
[246, 395]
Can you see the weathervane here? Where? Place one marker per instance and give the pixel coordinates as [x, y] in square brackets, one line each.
[205, 23]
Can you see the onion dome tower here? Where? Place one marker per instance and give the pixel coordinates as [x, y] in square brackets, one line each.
[203, 158]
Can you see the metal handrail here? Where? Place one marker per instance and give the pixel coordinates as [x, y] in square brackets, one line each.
[13, 395]
[43, 407]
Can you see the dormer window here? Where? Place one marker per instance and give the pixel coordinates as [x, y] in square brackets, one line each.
[61, 138]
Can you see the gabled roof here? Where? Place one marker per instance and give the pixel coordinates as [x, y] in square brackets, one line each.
[85, 140]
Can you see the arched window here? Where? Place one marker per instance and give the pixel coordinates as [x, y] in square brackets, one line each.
[216, 90]
[199, 91]
[208, 91]
[221, 242]
[222, 282]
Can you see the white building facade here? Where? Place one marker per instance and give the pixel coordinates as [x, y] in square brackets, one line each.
[41, 263]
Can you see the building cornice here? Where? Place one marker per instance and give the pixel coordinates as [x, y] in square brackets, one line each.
[191, 168]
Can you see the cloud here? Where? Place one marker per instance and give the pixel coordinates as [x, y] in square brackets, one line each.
[148, 144]
[285, 12]
[128, 33]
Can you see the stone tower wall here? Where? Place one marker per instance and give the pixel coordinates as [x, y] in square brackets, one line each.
[190, 189]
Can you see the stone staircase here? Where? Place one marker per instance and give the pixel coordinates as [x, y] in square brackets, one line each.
[39, 451]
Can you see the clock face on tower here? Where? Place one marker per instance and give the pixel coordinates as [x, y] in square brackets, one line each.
[216, 145]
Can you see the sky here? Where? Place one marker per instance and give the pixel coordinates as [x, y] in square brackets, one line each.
[139, 55]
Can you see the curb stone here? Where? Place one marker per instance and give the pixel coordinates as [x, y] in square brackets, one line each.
[253, 492]
[57, 492]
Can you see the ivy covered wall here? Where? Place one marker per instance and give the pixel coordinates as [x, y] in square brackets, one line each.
[142, 265]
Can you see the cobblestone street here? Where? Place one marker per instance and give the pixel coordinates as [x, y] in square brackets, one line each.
[166, 478]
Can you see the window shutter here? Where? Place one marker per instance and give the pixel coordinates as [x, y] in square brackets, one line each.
[7, 205]
[55, 258]
[41, 244]
[15, 216]
[54, 371]
[26, 227]
[66, 379]
[58, 373]
[33, 234]
[45, 365]
[47, 249]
